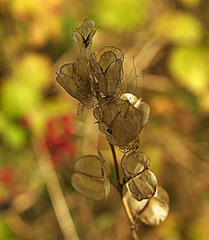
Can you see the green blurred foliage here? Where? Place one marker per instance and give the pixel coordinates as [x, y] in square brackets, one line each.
[170, 45]
[120, 15]
[5, 232]
[178, 27]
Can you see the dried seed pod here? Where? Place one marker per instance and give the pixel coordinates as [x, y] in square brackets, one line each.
[89, 186]
[108, 70]
[120, 121]
[157, 208]
[136, 206]
[143, 186]
[74, 78]
[134, 163]
[91, 177]
[83, 37]
[141, 106]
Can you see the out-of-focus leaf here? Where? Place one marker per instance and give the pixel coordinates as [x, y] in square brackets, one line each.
[134, 163]
[190, 68]
[5, 232]
[91, 176]
[14, 136]
[18, 99]
[190, 3]
[120, 15]
[199, 229]
[178, 27]
[34, 70]
[157, 209]
[21, 9]
[143, 186]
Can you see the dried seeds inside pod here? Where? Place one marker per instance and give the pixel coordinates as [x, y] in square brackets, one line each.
[108, 70]
[136, 206]
[141, 106]
[134, 163]
[121, 119]
[157, 208]
[91, 177]
[143, 186]
[74, 78]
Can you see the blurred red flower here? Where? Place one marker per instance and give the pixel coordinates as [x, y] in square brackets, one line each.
[7, 175]
[60, 139]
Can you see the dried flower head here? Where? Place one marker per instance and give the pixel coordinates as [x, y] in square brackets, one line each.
[97, 81]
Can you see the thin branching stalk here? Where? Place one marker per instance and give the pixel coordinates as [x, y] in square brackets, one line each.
[116, 166]
[119, 187]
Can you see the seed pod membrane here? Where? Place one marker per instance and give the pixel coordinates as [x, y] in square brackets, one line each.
[134, 163]
[83, 37]
[65, 79]
[91, 187]
[135, 206]
[157, 209]
[141, 106]
[108, 70]
[143, 186]
[122, 120]
[91, 176]
[74, 78]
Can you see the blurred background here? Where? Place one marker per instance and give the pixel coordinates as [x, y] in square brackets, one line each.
[166, 46]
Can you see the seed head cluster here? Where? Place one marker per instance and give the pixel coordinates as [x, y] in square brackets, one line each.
[96, 81]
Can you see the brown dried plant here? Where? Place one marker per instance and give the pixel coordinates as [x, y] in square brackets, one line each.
[96, 82]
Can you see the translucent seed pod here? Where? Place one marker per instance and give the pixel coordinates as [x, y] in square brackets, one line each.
[157, 209]
[134, 163]
[143, 186]
[83, 37]
[91, 177]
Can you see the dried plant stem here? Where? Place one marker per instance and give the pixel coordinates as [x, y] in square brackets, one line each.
[130, 218]
[57, 197]
[119, 187]
[115, 164]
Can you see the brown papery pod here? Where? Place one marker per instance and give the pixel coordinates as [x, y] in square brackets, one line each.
[135, 206]
[143, 186]
[157, 209]
[141, 106]
[134, 163]
[121, 119]
[108, 70]
[83, 37]
[74, 78]
[91, 177]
